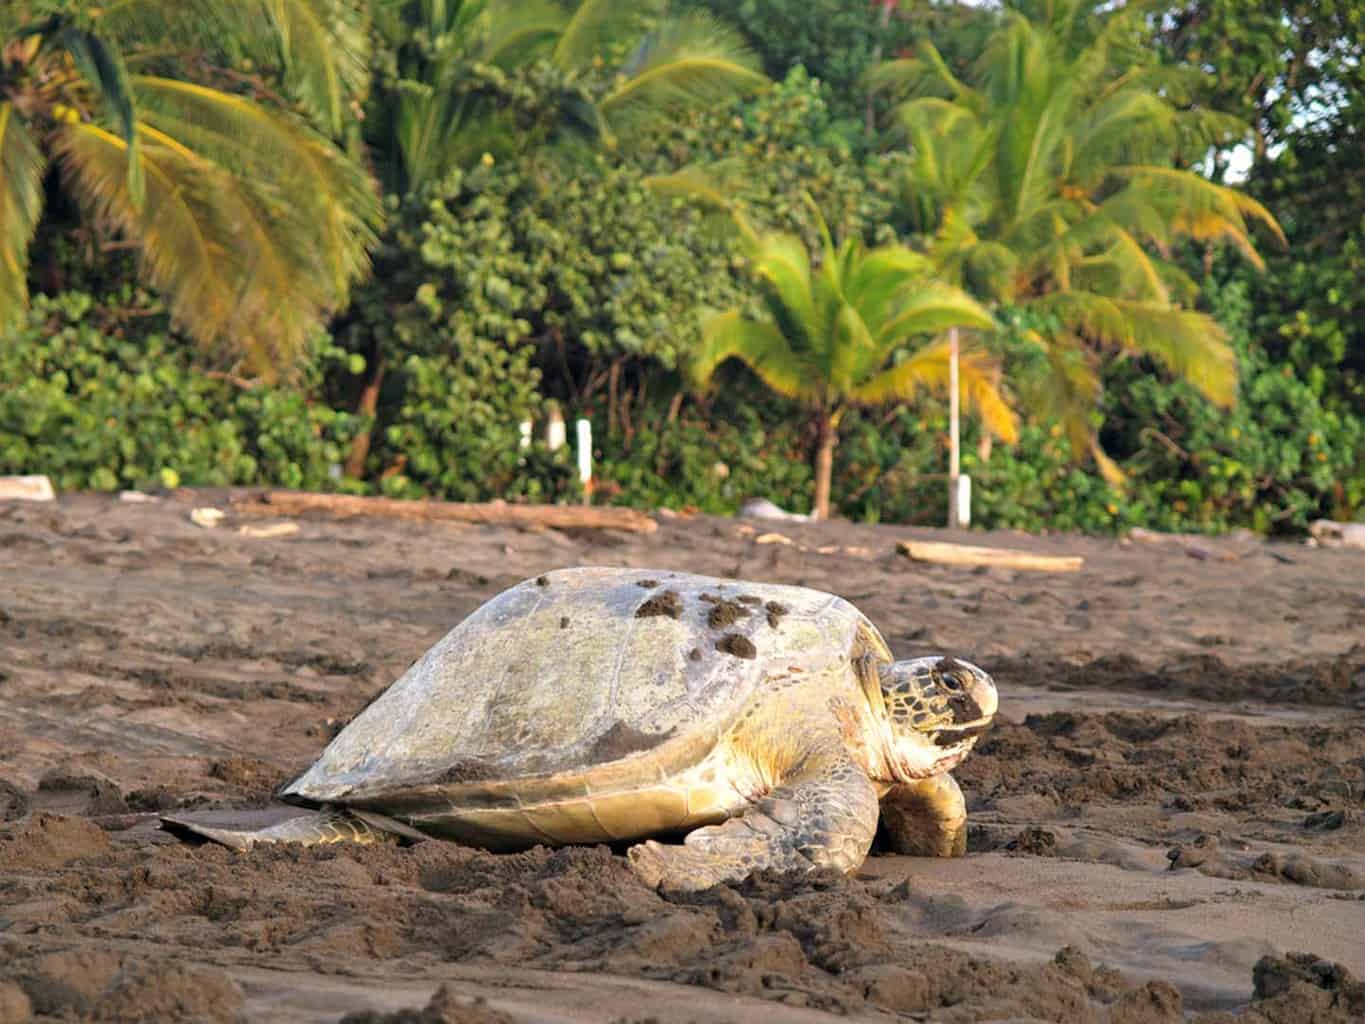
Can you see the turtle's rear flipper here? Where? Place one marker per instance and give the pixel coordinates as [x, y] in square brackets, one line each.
[311, 828]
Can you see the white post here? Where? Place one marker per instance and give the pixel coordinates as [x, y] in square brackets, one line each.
[584, 428]
[555, 434]
[964, 500]
[954, 442]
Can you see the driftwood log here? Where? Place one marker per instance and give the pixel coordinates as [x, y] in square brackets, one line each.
[343, 506]
[1338, 535]
[26, 488]
[1004, 558]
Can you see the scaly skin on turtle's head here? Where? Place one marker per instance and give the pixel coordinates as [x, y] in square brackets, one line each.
[936, 708]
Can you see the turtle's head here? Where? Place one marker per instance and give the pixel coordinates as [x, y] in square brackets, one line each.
[935, 710]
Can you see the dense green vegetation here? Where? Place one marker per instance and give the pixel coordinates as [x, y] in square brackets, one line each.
[453, 212]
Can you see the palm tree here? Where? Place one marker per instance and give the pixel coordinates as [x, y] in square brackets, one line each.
[454, 93]
[838, 335]
[247, 218]
[1056, 177]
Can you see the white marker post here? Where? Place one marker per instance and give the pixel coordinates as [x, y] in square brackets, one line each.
[555, 435]
[964, 501]
[584, 430]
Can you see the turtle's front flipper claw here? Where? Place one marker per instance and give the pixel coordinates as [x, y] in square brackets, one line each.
[676, 867]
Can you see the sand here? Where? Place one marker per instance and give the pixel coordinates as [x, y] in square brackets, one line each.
[1167, 824]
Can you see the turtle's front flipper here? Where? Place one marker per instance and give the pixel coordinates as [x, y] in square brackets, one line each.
[927, 818]
[822, 816]
[312, 828]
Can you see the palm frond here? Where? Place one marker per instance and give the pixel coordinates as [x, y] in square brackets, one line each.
[520, 30]
[324, 47]
[594, 25]
[1201, 208]
[878, 280]
[235, 260]
[762, 348]
[1113, 474]
[931, 308]
[928, 369]
[782, 267]
[21, 204]
[1191, 345]
[102, 65]
[927, 74]
[324, 198]
[990, 268]
[185, 245]
[851, 349]
[689, 60]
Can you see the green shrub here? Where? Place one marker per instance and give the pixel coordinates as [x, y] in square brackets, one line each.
[99, 396]
[1275, 462]
[711, 460]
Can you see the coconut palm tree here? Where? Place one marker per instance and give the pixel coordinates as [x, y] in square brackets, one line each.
[842, 333]
[589, 69]
[246, 217]
[1056, 176]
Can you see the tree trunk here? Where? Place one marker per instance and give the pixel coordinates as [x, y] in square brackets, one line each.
[825, 440]
[369, 402]
[613, 395]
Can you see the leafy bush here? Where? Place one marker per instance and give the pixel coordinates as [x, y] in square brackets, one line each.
[712, 459]
[1275, 462]
[835, 41]
[499, 272]
[102, 397]
[772, 150]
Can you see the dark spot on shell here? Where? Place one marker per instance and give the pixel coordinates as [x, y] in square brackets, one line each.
[694, 654]
[775, 613]
[542, 581]
[467, 769]
[647, 584]
[564, 622]
[725, 613]
[621, 740]
[739, 646]
[749, 599]
[666, 603]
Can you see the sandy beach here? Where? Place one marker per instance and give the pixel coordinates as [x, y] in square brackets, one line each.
[1175, 793]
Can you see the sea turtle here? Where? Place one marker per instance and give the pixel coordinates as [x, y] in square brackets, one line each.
[591, 705]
